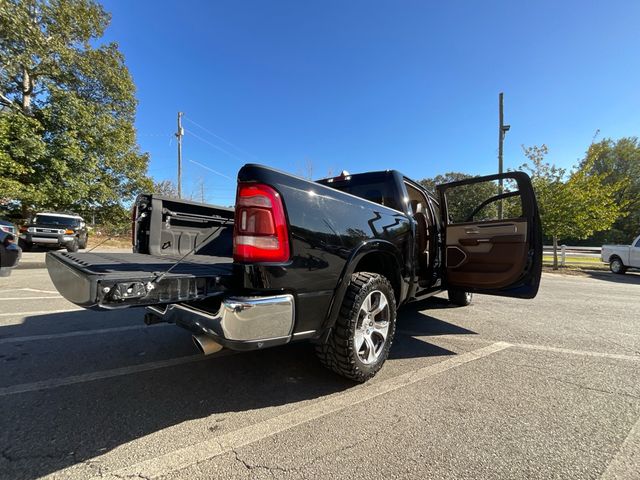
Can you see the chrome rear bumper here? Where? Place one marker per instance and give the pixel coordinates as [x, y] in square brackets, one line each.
[241, 323]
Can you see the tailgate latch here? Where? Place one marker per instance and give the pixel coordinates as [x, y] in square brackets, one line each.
[127, 290]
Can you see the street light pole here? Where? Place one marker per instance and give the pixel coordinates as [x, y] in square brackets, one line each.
[502, 130]
[179, 135]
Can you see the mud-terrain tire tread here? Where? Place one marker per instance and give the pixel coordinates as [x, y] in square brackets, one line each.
[338, 353]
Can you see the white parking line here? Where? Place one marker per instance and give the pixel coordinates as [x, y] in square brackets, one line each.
[208, 449]
[115, 372]
[528, 346]
[39, 312]
[626, 463]
[586, 353]
[26, 289]
[79, 333]
[30, 298]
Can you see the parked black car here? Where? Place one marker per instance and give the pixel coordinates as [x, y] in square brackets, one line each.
[10, 253]
[55, 230]
[327, 261]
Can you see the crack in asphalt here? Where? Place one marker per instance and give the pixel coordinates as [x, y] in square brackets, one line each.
[268, 468]
[95, 465]
[561, 379]
[594, 389]
[396, 420]
[125, 477]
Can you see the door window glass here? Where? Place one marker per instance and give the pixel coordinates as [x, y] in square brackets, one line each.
[482, 202]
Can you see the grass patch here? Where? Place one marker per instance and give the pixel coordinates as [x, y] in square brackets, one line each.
[574, 260]
[109, 242]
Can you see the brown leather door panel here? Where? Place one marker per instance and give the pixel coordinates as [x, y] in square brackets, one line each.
[493, 235]
[488, 255]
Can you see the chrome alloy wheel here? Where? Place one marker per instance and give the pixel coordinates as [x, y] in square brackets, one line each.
[372, 327]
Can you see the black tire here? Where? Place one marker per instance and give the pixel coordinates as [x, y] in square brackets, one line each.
[339, 353]
[460, 297]
[617, 266]
[83, 243]
[73, 246]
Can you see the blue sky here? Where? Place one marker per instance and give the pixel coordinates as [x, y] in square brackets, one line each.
[368, 85]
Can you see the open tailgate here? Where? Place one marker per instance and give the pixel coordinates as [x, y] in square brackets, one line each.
[119, 280]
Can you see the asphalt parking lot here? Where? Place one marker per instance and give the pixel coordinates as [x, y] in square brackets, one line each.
[548, 388]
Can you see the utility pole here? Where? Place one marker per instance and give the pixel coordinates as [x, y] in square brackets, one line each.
[179, 135]
[502, 130]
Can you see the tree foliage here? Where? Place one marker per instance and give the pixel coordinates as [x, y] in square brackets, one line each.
[461, 201]
[67, 136]
[618, 163]
[572, 204]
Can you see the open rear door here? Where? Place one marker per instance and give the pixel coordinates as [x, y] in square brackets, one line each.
[493, 235]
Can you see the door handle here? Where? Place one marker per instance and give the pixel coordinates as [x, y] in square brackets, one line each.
[473, 242]
[472, 231]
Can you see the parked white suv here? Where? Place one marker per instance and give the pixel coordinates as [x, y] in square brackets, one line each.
[622, 257]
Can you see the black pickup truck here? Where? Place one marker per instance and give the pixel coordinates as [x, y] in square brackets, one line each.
[327, 261]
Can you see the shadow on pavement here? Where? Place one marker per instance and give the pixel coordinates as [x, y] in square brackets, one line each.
[630, 278]
[415, 318]
[45, 431]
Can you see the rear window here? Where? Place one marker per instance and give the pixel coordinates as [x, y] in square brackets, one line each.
[381, 192]
[55, 220]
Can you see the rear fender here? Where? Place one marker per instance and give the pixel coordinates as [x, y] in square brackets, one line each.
[366, 248]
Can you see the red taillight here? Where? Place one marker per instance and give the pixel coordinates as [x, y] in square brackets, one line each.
[260, 232]
[134, 212]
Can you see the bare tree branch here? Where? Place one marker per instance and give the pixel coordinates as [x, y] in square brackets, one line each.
[6, 101]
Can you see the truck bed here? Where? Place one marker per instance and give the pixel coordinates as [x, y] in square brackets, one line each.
[116, 280]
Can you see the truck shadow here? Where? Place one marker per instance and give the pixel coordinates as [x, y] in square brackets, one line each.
[47, 430]
[414, 320]
[630, 278]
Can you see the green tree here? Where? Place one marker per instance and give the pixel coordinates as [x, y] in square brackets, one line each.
[461, 201]
[619, 162]
[572, 204]
[67, 136]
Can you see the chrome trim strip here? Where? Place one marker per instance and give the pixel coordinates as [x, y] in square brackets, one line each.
[308, 333]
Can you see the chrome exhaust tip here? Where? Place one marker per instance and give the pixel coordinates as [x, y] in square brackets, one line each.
[206, 344]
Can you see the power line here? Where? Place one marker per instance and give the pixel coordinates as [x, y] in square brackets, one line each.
[221, 139]
[211, 169]
[213, 145]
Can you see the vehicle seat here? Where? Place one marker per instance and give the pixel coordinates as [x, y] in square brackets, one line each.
[422, 227]
[422, 237]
